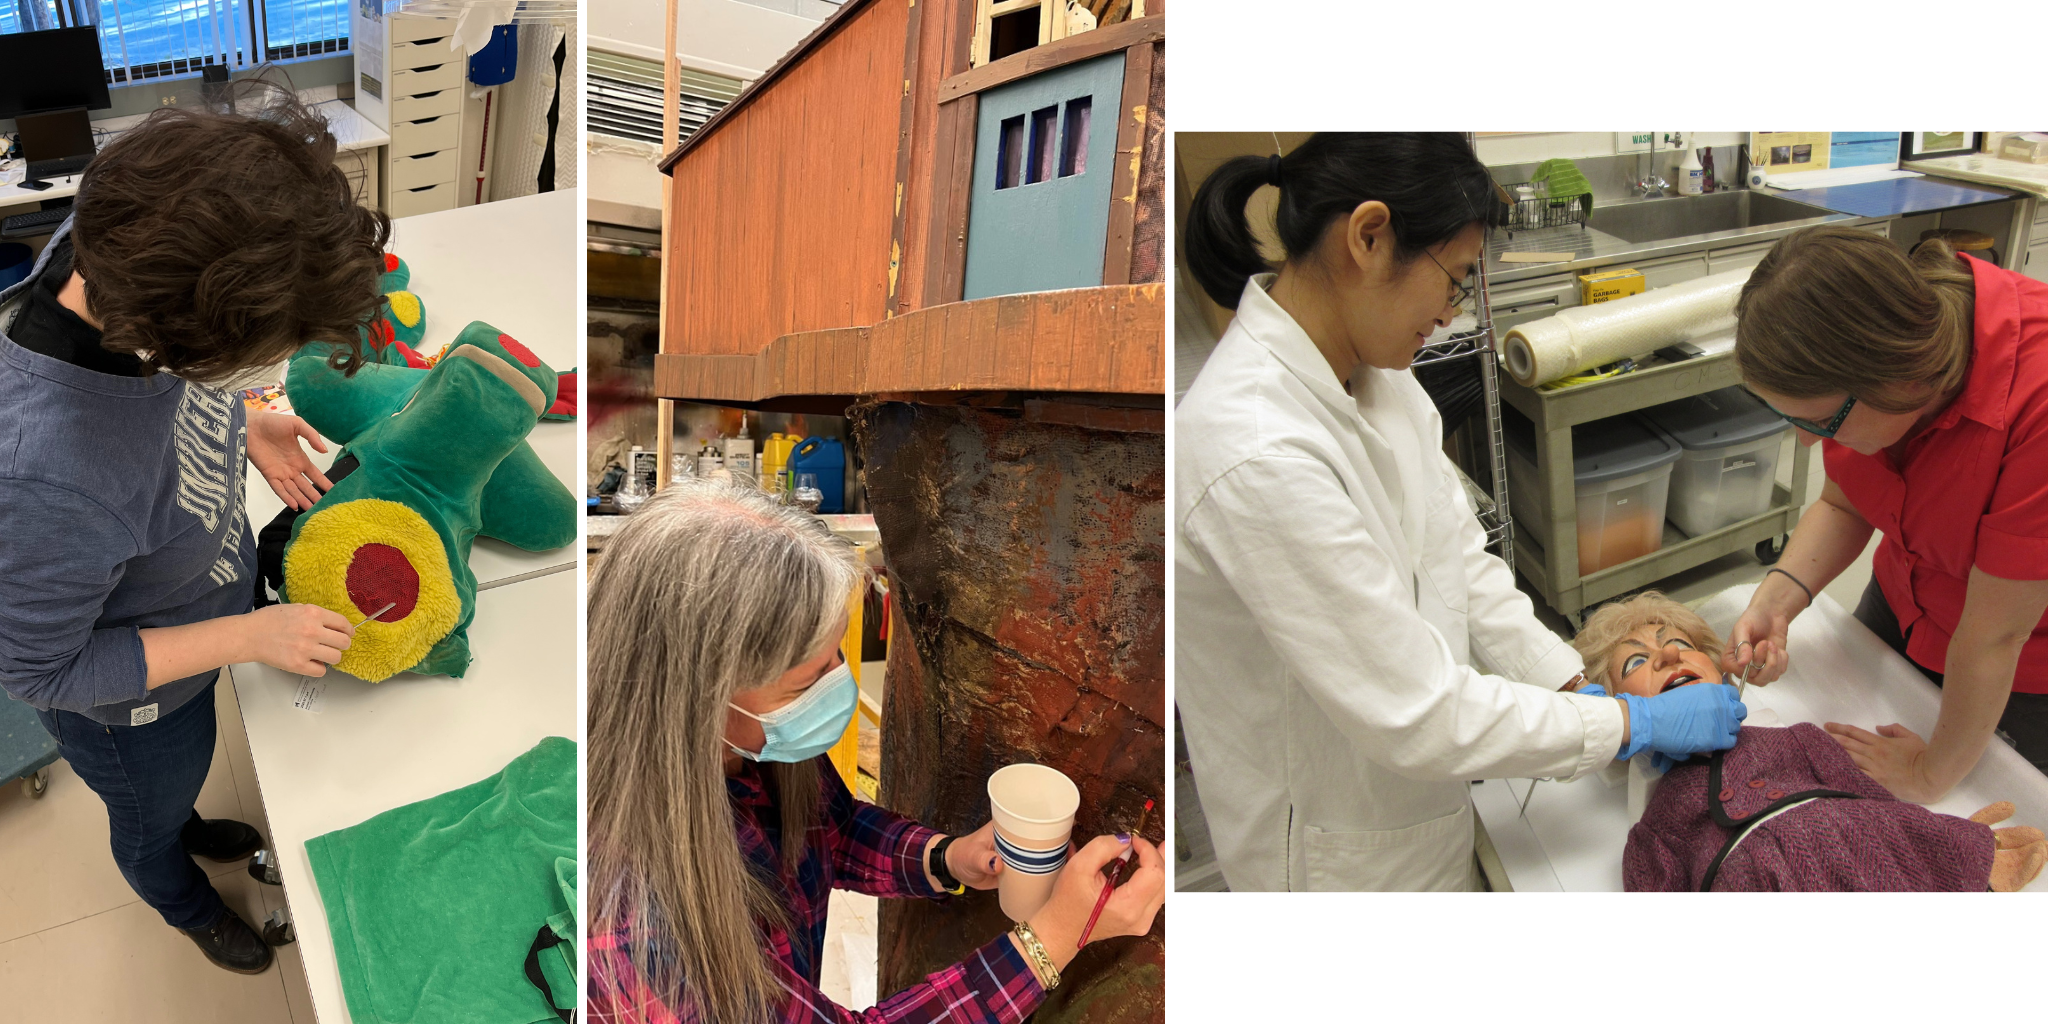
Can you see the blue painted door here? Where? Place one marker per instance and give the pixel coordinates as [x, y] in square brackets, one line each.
[1043, 154]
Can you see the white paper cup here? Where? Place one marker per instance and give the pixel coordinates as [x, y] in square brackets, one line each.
[1033, 808]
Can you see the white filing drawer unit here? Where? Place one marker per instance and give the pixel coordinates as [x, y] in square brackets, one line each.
[426, 86]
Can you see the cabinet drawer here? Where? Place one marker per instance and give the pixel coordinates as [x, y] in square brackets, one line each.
[2035, 264]
[411, 28]
[1736, 257]
[1523, 301]
[415, 81]
[409, 172]
[433, 104]
[430, 53]
[411, 138]
[407, 202]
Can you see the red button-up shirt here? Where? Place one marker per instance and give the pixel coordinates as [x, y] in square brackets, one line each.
[1973, 490]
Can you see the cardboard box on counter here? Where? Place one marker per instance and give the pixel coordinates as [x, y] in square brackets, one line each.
[1608, 285]
[2026, 147]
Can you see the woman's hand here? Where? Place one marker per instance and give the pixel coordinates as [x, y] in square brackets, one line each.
[972, 858]
[274, 451]
[1756, 645]
[1893, 755]
[1130, 909]
[300, 638]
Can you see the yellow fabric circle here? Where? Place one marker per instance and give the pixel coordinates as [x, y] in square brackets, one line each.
[316, 572]
[405, 307]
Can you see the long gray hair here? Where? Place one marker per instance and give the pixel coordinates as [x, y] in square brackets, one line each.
[707, 591]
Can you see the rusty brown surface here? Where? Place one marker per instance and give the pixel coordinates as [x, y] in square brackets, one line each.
[1028, 565]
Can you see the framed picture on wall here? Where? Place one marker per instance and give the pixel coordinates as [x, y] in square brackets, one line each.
[1923, 145]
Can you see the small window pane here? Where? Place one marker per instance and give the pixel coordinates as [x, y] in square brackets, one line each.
[1010, 153]
[1074, 151]
[1045, 124]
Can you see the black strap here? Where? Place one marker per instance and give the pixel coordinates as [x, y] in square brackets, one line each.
[939, 870]
[547, 939]
[1742, 827]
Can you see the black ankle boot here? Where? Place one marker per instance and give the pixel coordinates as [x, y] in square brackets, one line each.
[231, 945]
[220, 839]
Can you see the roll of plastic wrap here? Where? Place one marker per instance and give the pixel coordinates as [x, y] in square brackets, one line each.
[1583, 337]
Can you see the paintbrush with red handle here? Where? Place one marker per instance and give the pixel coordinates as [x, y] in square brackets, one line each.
[1116, 878]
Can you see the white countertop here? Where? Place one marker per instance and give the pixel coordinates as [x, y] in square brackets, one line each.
[372, 748]
[352, 130]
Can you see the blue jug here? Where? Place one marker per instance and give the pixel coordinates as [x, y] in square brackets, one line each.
[825, 458]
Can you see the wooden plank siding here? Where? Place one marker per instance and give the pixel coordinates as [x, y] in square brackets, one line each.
[780, 221]
[1108, 340]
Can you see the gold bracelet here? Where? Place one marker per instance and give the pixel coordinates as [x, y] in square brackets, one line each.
[1034, 951]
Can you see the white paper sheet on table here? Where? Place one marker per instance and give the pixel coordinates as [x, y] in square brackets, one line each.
[1573, 834]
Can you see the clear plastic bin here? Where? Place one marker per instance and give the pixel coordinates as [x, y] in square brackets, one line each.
[1732, 444]
[1621, 471]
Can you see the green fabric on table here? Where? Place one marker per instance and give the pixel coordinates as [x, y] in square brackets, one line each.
[1565, 181]
[434, 905]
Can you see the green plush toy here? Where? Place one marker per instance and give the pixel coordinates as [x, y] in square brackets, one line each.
[399, 325]
[443, 458]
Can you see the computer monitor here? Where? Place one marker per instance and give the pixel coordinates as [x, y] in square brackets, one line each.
[55, 143]
[51, 70]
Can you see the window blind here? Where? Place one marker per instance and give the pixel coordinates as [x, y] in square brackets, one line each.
[147, 39]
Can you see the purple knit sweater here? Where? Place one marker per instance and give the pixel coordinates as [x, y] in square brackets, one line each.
[1832, 844]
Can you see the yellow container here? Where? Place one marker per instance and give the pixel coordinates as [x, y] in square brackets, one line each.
[1608, 285]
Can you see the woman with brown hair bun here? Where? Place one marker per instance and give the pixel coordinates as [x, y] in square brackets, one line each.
[1927, 377]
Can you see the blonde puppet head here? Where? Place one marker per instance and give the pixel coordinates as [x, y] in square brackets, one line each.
[1648, 644]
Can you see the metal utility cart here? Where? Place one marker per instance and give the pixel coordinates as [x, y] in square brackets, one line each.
[1551, 563]
[26, 749]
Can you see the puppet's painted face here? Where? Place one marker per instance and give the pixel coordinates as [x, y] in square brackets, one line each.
[1657, 658]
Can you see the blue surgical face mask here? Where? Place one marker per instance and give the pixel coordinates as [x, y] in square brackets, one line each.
[809, 725]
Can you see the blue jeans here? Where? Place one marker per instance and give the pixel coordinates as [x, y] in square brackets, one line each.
[149, 777]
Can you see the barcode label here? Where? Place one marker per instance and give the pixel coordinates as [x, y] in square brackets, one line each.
[310, 692]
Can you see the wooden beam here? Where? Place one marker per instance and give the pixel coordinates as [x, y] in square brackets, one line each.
[906, 144]
[1096, 340]
[952, 186]
[1058, 53]
[671, 112]
[1130, 156]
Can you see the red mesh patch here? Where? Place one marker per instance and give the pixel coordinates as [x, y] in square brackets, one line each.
[390, 263]
[378, 575]
[518, 351]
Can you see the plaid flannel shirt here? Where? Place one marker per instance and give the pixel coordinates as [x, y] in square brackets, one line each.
[855, 846]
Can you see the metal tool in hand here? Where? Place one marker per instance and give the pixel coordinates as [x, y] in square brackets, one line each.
[309, 691]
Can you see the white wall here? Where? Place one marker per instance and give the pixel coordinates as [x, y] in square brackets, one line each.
[724, 37]
[1535, 147]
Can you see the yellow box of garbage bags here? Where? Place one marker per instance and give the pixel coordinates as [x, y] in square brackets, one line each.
[1608, 285]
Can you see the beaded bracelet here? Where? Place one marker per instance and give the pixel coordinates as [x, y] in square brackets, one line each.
[1035, 952]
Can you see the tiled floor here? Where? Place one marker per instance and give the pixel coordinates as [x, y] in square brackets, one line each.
[77, 945]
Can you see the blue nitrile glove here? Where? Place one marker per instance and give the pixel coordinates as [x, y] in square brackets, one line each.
[1591, 690]
[1690, 720]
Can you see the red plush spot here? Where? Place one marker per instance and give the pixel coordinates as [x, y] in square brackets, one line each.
[565, 395]
[390, 263]
[412, 358]
[518, 351]
[378, 575]
[381, 335]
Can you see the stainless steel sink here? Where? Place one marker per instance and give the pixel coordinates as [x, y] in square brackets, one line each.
[1655, 220]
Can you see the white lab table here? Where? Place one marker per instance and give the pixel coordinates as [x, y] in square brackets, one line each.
[1572, 836]
[510, 264]
[370, 748]
[352, 130]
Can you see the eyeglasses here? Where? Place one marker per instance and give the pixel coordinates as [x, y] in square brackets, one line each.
[1808, 425]
[1461, 293]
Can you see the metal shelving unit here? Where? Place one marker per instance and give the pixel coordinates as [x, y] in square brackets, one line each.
[1551, 563]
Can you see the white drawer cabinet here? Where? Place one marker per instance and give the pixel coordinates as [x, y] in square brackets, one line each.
[423, 88]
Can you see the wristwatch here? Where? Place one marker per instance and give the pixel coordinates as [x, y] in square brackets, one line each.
[939, 870]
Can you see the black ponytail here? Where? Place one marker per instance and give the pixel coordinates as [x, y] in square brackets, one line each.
[1432, 184]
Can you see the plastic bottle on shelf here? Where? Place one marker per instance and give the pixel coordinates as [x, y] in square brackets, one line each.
[1692, 175]
[739, 454]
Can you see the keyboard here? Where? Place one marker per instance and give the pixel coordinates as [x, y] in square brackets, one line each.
[41, 222]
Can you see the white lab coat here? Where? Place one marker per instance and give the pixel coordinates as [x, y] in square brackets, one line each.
[1332, 594]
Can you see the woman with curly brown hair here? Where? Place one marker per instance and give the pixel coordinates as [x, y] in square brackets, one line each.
[203, 247]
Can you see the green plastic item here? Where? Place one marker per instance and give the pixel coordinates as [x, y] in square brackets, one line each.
[434, 905]
[1565, 182]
